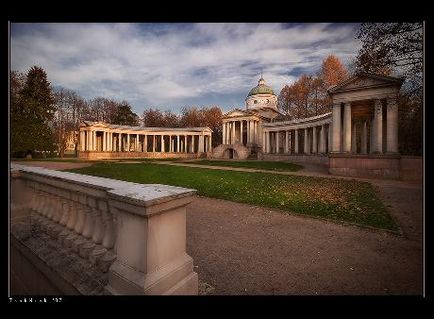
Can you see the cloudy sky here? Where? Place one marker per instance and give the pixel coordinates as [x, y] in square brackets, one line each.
[169, 66]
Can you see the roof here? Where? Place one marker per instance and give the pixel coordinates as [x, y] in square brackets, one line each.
[144, 128]
[261, 88]
[379, 80]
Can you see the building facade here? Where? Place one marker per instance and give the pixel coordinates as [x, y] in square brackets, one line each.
[359, 137]
[98, 140]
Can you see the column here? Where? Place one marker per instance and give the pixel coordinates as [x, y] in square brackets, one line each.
[372, 136]
[153, 143]
[224, 133]
[322, 142]
[192, 143]
[364, 138]
[392, 126]
[119, 142]
[81, 141]
[128, 142]
[378, 126]
[347, 127]
[94, 140]
[286, 141]
[248, 131]
[328, 148]
[296, 141]
[233, 133]
[306, 141]
[241, 132]
[264, 137]
[104, 141]
[268, 142]
[145, 143]
[89, 136]
[336, 148]
[314, 141]
[277, 142]
[136, 147]
[353, 139]
[177, 143]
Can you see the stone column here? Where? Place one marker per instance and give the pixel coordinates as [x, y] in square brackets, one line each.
[296, 141]
[89, 140]
[286, 141]
[372, 136]
[354, 139]
[153, 143]
[347, 127]
[306, 141]
[145, 143]
[336, 148]
[128, 142]
[94, 140]
[241, 132]
[277, 142]
[177, 143]
[263, 142]
[322, 139]
[248, 131]
[314, 141]
[364, 138]
[81, 141]
[224, 133]
[233, 133]
[378, 114]
[392, 125]
[192, 143]
[119, 142]
[268, 142]
[136, 148]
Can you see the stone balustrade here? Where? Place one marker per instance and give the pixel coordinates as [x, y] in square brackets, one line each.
[135, 232]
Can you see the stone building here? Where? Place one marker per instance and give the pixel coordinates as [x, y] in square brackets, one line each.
[359, 137]
[100, 140]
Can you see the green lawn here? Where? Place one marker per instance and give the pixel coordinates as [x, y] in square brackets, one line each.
[274, 166]
[332, 198]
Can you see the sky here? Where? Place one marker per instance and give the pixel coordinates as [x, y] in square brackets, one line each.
[172, 65]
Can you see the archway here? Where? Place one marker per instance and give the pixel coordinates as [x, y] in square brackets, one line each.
[230, 153]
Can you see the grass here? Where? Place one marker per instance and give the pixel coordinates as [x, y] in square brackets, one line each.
[331, 198]
[270, 165]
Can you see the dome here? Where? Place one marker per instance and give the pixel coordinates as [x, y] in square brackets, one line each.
[261, 88]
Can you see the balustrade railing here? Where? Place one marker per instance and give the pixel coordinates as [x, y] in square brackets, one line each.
[136, 232]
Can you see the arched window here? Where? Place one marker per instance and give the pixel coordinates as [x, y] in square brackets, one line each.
[256, 101]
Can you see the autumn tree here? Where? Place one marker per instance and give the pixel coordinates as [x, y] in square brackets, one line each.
[398, 48]
[153, 118]
[32, 108]
[332, 71]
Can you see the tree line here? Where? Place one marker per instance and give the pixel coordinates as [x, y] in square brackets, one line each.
[45, 119]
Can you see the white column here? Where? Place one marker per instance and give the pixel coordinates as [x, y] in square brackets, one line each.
[248, 132]
[162, 143]
[286, 141]
[153, 143]
[192, 143]
[224, 133]
[177, 143]
[264, 137]
[314, 141]
[119, 142]
[94, 140]
[145, 143]
[128, 142]
[277, 142]
[306, 141]
[353, 139]
[322, 141]
[136, 147]
[296, 141]
[241, 132]
[268, 142]
[392, 125]
[347, 127]
[88, 136]
[378, 126]
[336, 148]
[364, 138]
[104, 141]
[81, 141]
[233, 133]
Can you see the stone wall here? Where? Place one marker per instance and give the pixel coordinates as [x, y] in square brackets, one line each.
[112, 155]
[134, 235]
[411, 168]
[302, 158]
[223, 151]
[381, 166]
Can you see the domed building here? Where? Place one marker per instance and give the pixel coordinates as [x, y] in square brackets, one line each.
[363, 124]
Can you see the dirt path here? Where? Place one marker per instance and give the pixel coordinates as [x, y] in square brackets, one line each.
[244, 249]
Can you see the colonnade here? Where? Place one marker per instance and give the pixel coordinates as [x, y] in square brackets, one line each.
[95, 139]
[233, 131]
[349, 132]
[315, 139]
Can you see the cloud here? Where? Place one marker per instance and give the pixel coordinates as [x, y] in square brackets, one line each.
[173, 65]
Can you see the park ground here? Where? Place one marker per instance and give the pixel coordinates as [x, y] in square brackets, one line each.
[243, 249]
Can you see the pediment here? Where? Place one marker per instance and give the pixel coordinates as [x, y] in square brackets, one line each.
[236, 113]
[364, 81]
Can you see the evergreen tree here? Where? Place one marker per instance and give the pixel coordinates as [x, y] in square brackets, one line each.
[125, 116]
[31, 110]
